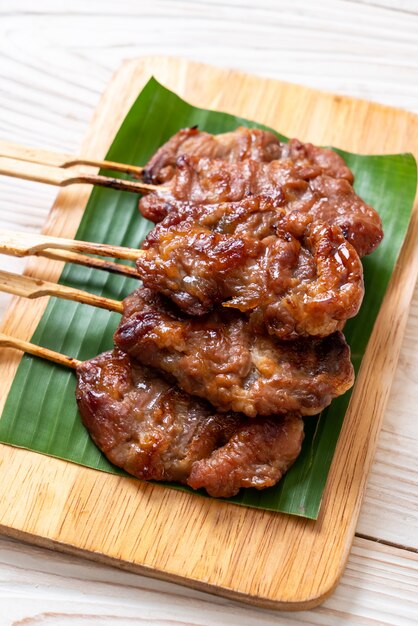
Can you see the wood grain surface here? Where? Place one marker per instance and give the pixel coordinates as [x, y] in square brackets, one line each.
[55, 60]
[258, 557]
[65, 590]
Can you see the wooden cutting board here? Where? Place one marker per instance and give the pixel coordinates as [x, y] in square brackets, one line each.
[263, 558]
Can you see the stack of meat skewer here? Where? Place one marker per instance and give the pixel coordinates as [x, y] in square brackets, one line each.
[249, 275]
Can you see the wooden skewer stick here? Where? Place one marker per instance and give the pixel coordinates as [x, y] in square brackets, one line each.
[11, 342]
[28, 287]
[68, 250]
[25, 244]
[62, 177]
[61, 159]
[88, 261]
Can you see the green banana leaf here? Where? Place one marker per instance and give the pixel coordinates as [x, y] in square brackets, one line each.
[40, 412]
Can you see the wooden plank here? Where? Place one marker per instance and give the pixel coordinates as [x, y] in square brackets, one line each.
[258, 557]
[340, 46]
[378, 588]
[390, 509]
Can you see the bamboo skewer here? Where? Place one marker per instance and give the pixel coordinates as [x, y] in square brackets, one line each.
[61, 159]
[24, 244]
[56, 357]
[68, 250]
[61, 177]
[31, 288]
[87, 261]
[28, 287]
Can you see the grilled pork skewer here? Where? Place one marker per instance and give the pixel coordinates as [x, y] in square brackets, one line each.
[154, 431]
[289, 276]
[243, 143]
[218, 356]
[204, 168]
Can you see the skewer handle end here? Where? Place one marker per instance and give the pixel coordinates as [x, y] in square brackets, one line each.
[44, 353]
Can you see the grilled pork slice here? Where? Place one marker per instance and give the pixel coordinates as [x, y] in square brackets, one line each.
[239, 145]
[220, 358]
[302, 187]
[155, 431]
[289, 275]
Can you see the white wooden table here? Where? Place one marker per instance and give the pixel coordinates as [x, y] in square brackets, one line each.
[55, 59]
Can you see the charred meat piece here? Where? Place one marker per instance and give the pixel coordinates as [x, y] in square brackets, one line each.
[292, 277]
[243, 143]
[254, 216]
[300, 187]
[238, 145]
[220, 358]
[201, 180]
[154, 431]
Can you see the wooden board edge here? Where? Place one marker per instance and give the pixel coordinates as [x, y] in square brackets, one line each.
[156, 574]
[403, 266]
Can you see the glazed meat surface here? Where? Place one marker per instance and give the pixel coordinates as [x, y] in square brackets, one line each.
[300, 187]
[239, 145]
[154, 431]
[202, 180]
[293, 277]
[220, 358]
